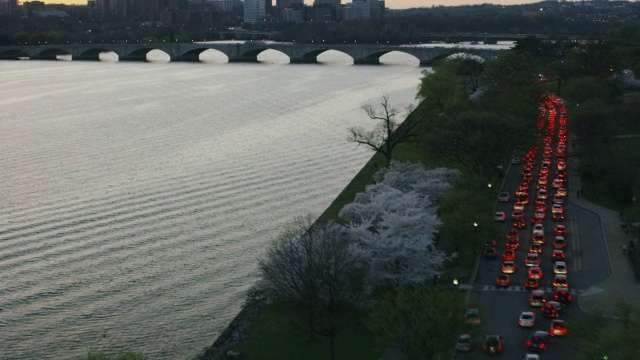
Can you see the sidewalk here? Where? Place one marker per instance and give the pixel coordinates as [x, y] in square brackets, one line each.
[622, 282]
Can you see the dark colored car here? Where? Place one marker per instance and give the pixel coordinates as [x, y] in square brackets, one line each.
[538, 342]
[563, 297]
[492, 344]
[503, 280]
[551, 309]
[490, 252]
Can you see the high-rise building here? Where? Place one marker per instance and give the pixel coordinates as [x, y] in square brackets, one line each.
[254, 11]
[326, 2]
[223, 5]
[363, 10]
[9, 7]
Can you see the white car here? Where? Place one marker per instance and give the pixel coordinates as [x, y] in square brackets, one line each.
[557, 208]
[500, 216]
[535, 273]
[464, 343]
[560, 268]
[561, 191]
[560, 281]
[538, 229]
[537, 298]
[518, 206]
[503, 197]
[557, 183]
[558, 199]
[527, 319]
[542, 194]
[532, 357]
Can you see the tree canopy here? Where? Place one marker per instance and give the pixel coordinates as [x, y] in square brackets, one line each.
[422, 323]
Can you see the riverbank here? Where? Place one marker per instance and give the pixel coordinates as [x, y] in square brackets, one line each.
[224, 346]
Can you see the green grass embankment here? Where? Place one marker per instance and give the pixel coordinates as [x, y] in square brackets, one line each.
[276, 334]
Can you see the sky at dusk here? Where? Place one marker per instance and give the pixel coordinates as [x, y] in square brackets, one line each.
[394, 4]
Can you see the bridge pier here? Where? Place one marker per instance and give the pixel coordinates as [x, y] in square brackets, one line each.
[367, 61]
[133, 58]
[303, 61]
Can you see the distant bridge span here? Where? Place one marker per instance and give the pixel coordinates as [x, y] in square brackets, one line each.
[236, 52]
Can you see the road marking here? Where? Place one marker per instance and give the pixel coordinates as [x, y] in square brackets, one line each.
[523, 289]
[575, 244]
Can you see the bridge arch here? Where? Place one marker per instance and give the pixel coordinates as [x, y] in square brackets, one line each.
[333, 56]
[399, 57]
[13, 54]
[210, 55]
[141, 54]
[92, 54]
[195, 55]
[50, 54]
[272, 55]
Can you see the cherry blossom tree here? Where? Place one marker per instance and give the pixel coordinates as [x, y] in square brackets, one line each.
[393, 223]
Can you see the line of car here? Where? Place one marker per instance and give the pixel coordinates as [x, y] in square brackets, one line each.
[551, 108]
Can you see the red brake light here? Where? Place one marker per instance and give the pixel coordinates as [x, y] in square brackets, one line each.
[543, 345]
[499, 347]
[528, 343]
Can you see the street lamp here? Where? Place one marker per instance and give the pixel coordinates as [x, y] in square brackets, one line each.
[475, 224]
[455, 282]
[489, 185]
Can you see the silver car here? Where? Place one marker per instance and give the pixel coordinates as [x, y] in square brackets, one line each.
[464, 343]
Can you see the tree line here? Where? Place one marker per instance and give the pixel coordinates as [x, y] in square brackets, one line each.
[557, 21]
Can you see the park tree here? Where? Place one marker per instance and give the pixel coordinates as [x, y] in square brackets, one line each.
[440, 88]
[465, 138]
[388, 133]
[510, 69]
[313, 268]
[422, 323]
[393, 224]
[596, 338]
[471, 70]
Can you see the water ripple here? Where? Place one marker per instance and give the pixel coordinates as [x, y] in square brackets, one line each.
[137, 197]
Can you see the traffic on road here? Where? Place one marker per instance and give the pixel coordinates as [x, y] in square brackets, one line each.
[528, 305]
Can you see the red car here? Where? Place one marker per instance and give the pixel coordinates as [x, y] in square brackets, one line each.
[513, 245]
[520, 224]
[560, 230]
[558, 255]
[503, 280]
[532, 284]
[513, 235]
[509, 255]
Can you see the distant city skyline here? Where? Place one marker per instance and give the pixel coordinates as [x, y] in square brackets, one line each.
[392, 4]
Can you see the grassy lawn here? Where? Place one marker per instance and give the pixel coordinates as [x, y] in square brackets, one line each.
[276, 335]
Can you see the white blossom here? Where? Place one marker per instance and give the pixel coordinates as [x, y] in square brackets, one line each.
[393, 223]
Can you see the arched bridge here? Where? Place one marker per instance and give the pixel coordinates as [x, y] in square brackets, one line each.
[236, 52]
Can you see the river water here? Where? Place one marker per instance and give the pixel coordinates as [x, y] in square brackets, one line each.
[135, 198]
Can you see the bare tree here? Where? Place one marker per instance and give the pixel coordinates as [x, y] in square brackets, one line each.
[312, 266]
[388, 133]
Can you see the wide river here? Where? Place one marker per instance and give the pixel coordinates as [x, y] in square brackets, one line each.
[135, 198]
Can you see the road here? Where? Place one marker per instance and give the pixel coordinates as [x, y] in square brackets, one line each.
[586, 258]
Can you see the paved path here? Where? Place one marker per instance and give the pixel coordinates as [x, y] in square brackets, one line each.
[622, 283]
